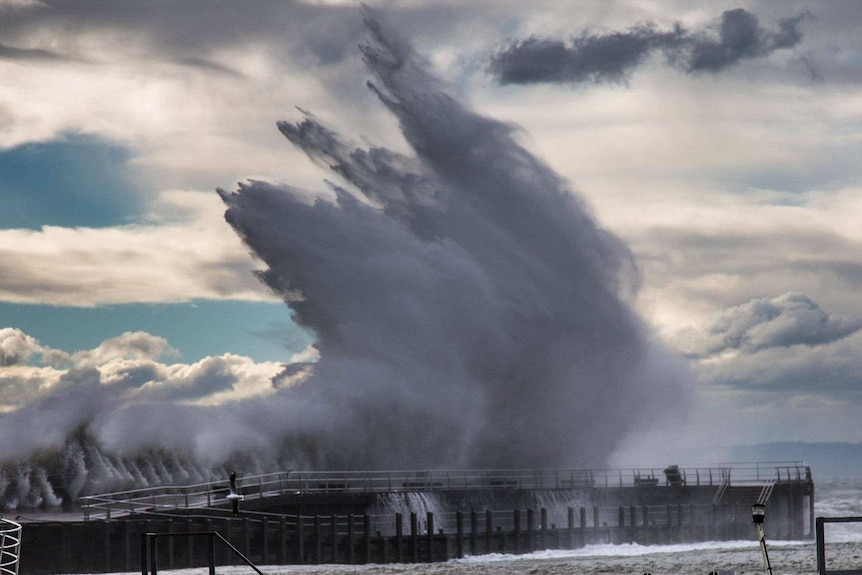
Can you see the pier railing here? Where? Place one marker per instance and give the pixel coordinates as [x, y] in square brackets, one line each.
[204, 495]
[10, 546]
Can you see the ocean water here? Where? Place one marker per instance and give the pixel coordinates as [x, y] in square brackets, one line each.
[835, 498]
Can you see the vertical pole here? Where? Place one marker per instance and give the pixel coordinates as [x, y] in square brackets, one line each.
[366, 525]
[821, 547]
[190, 549]
[264, 541]
[153, 555]
[300, 540]
[517, 530]
[489, 530]
[108, 544]
[649, 535]
[316, 548]
[544, 528]
[127, 544]
[170, 545]
[351, 533]
[283, 528]
[621, 524]
[459, 528]
[668, 522]
[211, 552]
[762, 537]
[583, 523]
[596, 524]
[811, 509]
[430, 536]
[474, 528]
[399, 537]
[414, 536]
[570, 526]
[333, 528]
[144, 553]
[530, 534]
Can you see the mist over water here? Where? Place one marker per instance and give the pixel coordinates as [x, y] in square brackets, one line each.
[468, 312]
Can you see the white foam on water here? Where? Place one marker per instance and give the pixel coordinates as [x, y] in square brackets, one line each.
[627, 550]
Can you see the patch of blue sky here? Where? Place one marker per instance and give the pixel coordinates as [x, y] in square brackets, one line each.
[262, 331]
[74, 181]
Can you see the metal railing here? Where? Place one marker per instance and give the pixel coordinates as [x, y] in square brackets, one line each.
[10, 546]
[150, 550]
[204, 495]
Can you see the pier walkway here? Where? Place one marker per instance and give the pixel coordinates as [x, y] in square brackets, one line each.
[259, 487]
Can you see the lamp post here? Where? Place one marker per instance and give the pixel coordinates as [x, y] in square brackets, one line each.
[758, 514]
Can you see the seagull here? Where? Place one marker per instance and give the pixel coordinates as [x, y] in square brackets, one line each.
[233, 496]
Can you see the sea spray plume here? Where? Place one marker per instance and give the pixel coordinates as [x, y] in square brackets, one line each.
[465, 303]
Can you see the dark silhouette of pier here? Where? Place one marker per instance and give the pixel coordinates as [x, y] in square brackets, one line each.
[422, 516]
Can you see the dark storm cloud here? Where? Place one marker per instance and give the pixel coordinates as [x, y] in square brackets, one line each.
[612, 56]
[588, 58]
[740, 36]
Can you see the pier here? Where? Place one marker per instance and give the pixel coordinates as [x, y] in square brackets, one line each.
[422, 516]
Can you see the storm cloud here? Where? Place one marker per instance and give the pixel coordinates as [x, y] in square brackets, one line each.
[611, 57]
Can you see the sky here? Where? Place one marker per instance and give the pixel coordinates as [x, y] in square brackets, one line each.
[718, 142]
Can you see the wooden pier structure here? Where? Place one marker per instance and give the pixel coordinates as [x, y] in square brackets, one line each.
[423, 516]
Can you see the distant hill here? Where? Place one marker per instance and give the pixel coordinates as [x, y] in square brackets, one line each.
[827, 460]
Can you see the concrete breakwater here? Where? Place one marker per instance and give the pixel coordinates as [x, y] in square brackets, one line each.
[423, 522]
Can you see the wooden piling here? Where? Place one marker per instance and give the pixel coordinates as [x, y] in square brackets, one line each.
[489, 531]
[414, 537]
[399, 537]
[429, 536]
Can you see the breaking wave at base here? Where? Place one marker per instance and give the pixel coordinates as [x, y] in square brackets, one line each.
[59, 478]
[419, 503]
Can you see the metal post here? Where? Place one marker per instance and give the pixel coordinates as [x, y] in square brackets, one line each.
[153, 555]
[758, 512]
[144, 553]
[821, 548]
[763, 551]
[211, 552]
